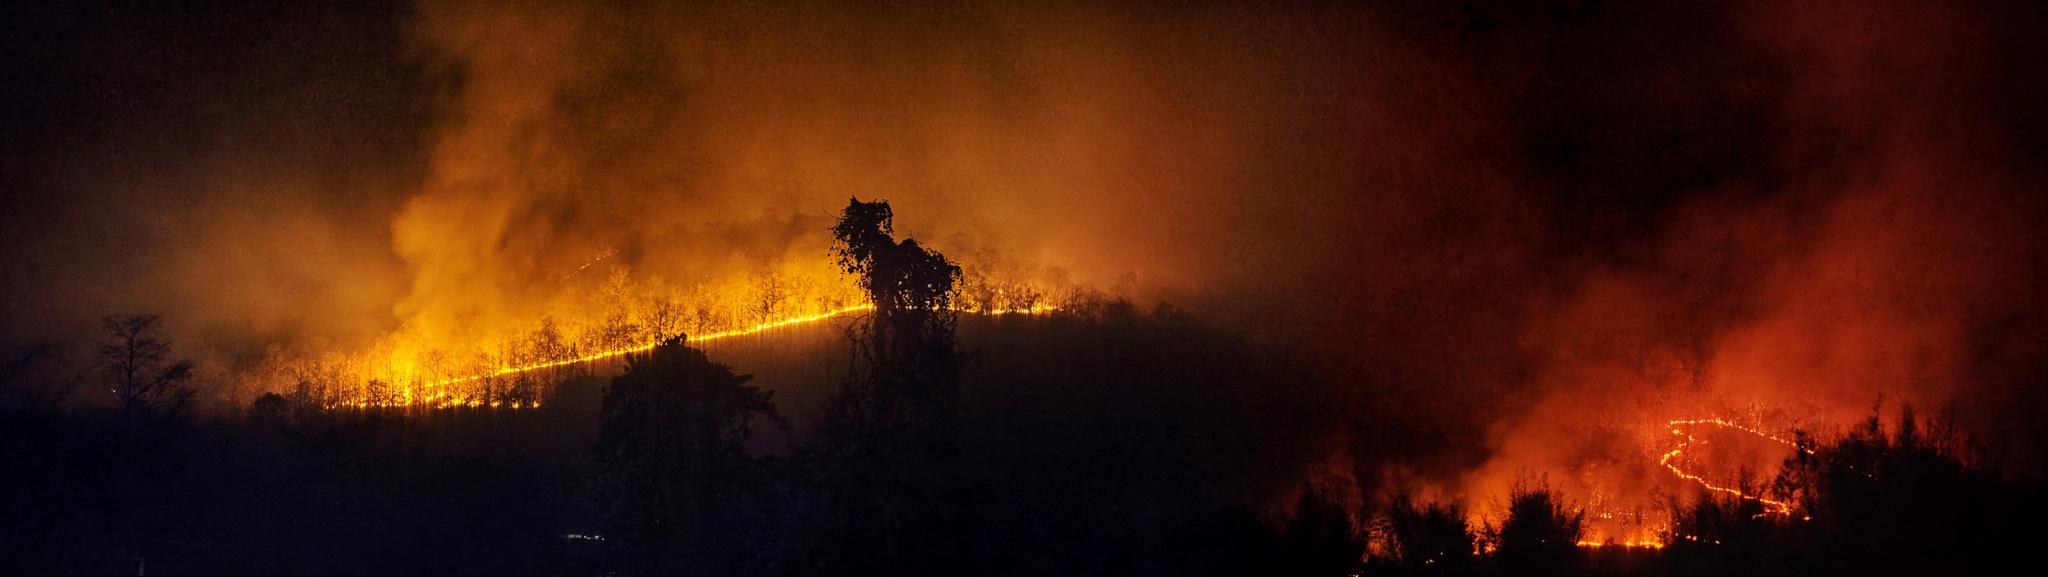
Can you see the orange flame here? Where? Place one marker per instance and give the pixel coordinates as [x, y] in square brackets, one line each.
[1679, 428]
[445, 400]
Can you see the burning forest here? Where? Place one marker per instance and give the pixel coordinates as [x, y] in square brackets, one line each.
[982, 287]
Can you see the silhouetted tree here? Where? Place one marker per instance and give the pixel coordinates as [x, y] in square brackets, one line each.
[546, 344]
[894, 502]
[665, 316]
[1902, 502]
[1431, 539]
[616, 330]
[680, 488]
[271, 410]
[771, 295]
[908, 354]
[138, 363]
[1720, 534]
[1540, 535]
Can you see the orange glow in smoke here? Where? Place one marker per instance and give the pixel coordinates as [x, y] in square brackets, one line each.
[1653, 535]
[621, 352]
[456, 400]
[1037, 309]
[1681, 427]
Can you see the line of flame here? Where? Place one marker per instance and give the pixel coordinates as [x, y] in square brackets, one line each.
[639, 348]
[1678, 428]
[437, 400]
[1627, 544]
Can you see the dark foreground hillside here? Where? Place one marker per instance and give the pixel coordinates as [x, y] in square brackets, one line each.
[1109, 441]
[1086, 440]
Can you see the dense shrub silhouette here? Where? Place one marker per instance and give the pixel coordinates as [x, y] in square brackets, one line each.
[1541, 533]
[1900, 500]
[1716, 533]
[1429, 539]
[681, 491]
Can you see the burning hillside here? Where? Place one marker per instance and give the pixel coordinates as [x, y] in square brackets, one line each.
[1294, 288]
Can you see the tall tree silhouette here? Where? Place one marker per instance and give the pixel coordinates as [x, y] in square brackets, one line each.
[681, 490]
[138, 363]
[910, 365]
[893, 499]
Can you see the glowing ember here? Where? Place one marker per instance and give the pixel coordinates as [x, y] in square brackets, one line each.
[620, 352]
[1681, 428]
[446, 400]
[1623, 544]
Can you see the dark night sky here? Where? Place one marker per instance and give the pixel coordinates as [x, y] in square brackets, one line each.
[138, 131]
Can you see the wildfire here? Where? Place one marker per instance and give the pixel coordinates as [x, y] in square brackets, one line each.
[1680, 428]
[448, 400]
[1623, 544]
[1653, 535]
[621, 352]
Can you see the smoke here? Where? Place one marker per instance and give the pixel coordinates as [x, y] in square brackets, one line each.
[1519, 238]
[1776, 214]
[1151, 151]
[231, 167]
[1523, 237]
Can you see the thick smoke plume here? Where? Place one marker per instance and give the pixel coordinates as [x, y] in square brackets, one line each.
[1776, 214]
[1514, 238]
[1160, 152]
